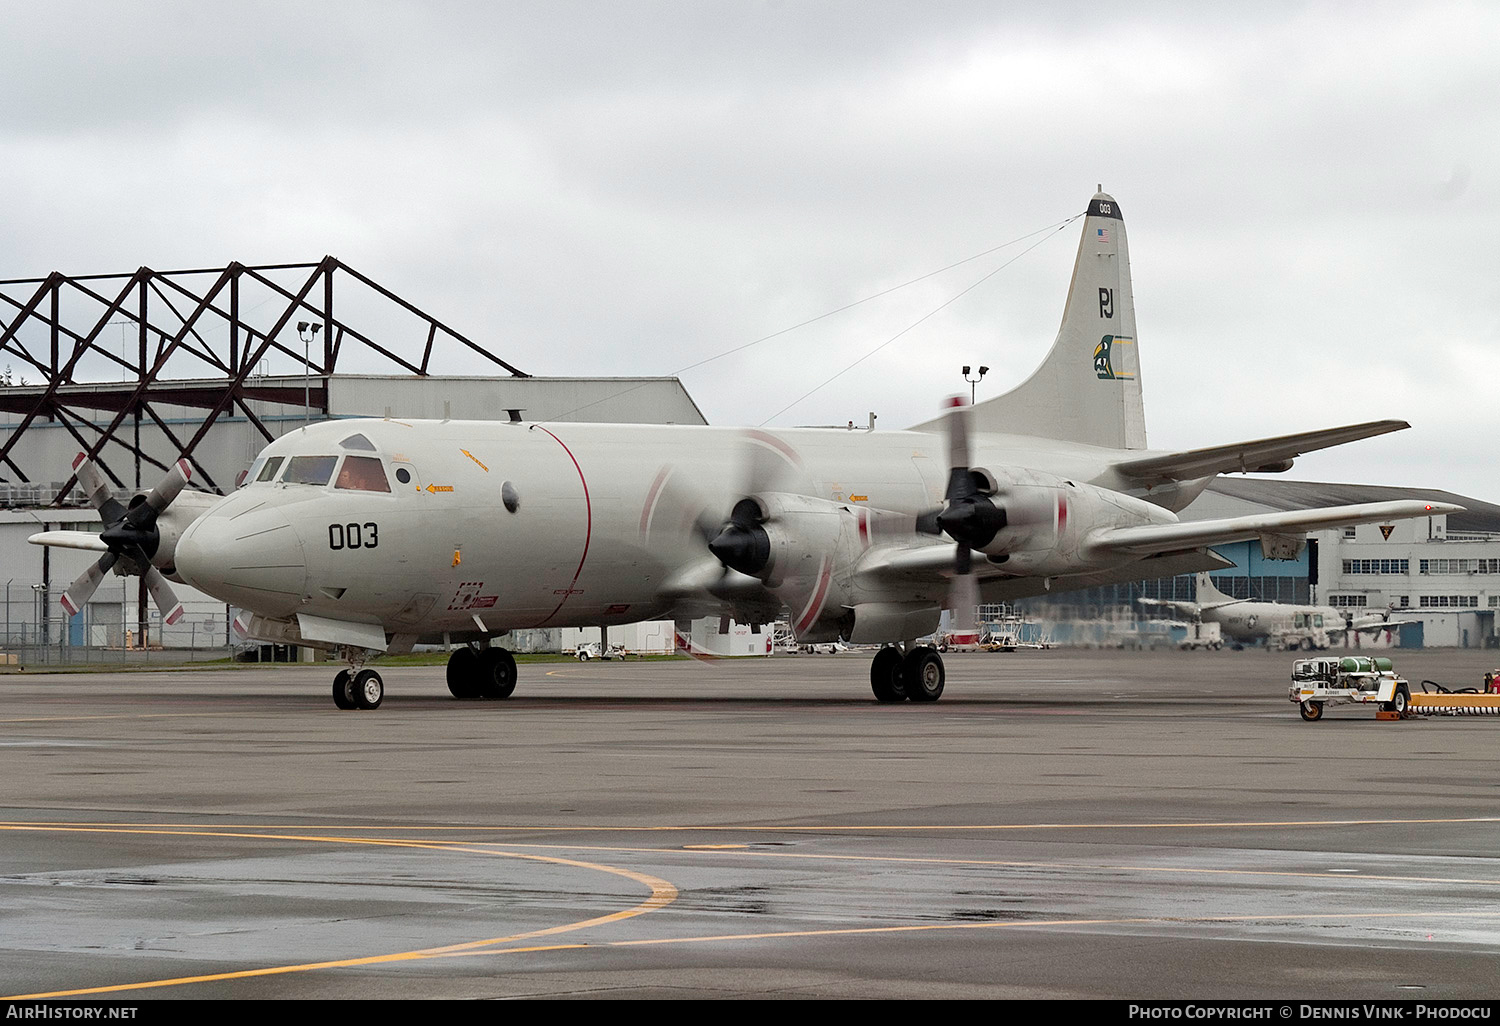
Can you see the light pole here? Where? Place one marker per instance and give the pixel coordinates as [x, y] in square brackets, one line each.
[308, 337]
[974, 382]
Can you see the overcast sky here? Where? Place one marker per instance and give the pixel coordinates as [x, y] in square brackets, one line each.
[628, 188]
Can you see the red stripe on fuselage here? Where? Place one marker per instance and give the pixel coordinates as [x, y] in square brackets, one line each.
[588, 531]
[651, 497]
[810, 614]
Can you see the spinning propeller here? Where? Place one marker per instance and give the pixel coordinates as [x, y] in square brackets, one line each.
[130, 537]
[970, 517]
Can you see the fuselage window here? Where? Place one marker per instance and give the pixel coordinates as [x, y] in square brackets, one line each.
[268, 472]
[403, 475]
[309, 470]
[363, 474]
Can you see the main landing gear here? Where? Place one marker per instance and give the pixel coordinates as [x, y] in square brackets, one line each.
[916, 674]
[481, 673]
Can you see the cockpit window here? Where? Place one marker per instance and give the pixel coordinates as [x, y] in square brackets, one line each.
[268, 472]
[363, 474]
[309, 470]
[358, 442]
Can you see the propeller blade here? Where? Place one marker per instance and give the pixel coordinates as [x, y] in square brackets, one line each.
[160, 497]
[958, 433]
[96, 489]
[86, 540]
[163, 595]
[963, 597]
[81, 590]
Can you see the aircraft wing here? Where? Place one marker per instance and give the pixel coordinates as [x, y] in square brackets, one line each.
[1160, 538]
[1264, 455]
[903, 566]
[1376, 628]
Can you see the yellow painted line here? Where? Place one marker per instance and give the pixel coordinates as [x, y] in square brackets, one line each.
[832, 828]
[742, 849]
[662, 894]
[1018, 924]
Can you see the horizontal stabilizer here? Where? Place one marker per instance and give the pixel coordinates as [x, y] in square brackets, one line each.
[1155, 538]
[1264, 455]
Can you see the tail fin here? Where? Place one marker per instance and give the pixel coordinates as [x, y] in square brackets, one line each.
[1088, 389]
[1209, 595]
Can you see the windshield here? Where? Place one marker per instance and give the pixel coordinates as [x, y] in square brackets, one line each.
[309, 470]
[363, 474]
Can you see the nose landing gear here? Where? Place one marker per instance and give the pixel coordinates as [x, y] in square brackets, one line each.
[357, 687]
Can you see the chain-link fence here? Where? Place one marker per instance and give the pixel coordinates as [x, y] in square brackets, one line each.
[88, 639]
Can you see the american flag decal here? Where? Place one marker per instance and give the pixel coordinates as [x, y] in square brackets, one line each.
[1103, 234]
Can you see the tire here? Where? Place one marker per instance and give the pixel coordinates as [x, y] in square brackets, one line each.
[497, 673]
[343, 690]
[369, 690]
[922, 675]
[1311, 711]
[1400, 700]
[885, 675]
[583, 657]
[463, 673]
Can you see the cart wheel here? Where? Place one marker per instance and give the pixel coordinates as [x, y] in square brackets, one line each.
[1311, 711]
[1400, 700]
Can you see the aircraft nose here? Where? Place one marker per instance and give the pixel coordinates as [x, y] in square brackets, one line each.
[248, 556]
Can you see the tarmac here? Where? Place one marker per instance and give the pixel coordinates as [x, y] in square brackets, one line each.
[1062, 824]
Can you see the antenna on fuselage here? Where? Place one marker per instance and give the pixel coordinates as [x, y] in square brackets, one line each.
[515, 415]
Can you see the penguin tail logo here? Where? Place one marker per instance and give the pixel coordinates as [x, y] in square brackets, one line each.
[1101, 358]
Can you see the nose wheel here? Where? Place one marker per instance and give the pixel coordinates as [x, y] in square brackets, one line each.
[362, 689]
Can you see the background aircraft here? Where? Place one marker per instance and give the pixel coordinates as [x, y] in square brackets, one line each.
[1249, 621]
[369, 536]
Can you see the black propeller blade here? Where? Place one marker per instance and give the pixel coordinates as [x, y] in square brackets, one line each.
[131, 534]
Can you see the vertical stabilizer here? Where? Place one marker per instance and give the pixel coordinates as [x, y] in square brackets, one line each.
[1209, 595]
[1088, 389]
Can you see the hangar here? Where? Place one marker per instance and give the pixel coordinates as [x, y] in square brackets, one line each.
[140, 368]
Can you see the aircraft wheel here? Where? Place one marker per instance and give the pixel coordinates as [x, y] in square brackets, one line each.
[922, 675]
[497, 673]
[369, 689]
[1311, 711]
[343, 690]
[463, 673]
[885, 675]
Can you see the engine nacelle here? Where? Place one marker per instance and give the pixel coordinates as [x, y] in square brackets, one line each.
[1048, 518]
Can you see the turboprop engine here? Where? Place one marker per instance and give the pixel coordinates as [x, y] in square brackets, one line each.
[801, 547]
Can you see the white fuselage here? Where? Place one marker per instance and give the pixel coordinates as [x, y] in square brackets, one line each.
[606, 518]
[1255, 621]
